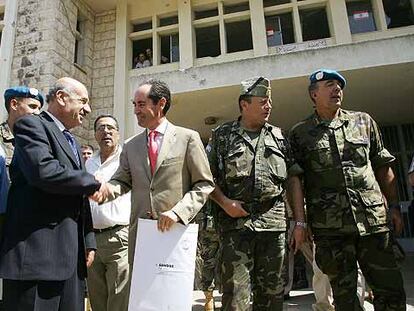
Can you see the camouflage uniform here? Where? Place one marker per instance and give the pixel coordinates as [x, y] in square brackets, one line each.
[208, 250]
[7, 142]
[253, 247]
[345, 206]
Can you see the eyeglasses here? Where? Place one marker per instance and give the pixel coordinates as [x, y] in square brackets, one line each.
[109, 127]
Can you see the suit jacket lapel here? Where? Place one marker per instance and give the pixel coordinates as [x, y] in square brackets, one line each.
[60, 137]
[167, 142]
[142, 153]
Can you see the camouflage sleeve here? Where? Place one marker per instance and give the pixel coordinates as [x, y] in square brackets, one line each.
[378, 155]
[295, 167]
[212, 154]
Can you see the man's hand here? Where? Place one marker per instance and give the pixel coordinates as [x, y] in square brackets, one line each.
[166, 220]
[298, 238]
[234, 208]
[102, 194]
[396, 221]
[90, 256]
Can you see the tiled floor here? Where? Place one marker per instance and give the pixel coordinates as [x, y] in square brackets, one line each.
[303, 299]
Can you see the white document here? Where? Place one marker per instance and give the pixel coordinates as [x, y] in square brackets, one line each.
[164, 264]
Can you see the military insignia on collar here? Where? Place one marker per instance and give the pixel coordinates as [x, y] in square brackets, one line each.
[319, 75]
[33, 92]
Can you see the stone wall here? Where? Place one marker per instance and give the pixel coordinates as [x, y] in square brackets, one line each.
[103, 66]
[45, 47]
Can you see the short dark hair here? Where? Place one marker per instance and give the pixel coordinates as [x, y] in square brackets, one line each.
[105, 116]
[247, 98]
[158, 90]
[87, 146]
[312, 87]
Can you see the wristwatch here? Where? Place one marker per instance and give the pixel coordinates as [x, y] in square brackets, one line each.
[301, 224]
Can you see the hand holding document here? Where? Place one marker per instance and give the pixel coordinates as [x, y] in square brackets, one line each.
[163, 271]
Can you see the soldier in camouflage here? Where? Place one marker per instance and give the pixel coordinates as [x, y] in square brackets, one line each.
[19, 101]
[249, 160]
[346, 170]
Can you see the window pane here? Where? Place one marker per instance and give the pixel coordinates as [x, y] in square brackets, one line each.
[205, 13]
[142, 53]
[239, 36]
[143, 26]
[314, 24]
[207, 41]
[267, 3]
[279, 29]
[399, 13]
[172, 20]
[236, 7]
[360, 16]
[170, 51]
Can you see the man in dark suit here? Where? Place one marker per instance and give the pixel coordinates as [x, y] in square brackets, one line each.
[48, 236]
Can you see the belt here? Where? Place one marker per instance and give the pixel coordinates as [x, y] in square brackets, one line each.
[108, 229]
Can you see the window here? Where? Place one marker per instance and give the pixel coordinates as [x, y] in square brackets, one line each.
[239, 36]
[142, 26]
[168, 20]
[233, 8]
[267, 3]
[207, 41]
[279, 29]
[170, 51]
[79, 55]
[142, 53]
[399, 13]
[161, 36]
[360, 16]
[314, 24]
[205, 13]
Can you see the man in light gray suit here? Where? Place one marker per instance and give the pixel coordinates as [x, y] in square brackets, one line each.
[165, 166]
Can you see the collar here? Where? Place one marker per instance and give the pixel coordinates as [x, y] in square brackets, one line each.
[341, 119]
[236, 126]
[162, 128]
[96, 157]
[6, 132]
[58, 123]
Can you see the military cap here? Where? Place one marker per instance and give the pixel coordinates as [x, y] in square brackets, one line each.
[327, 74]
[257, 86]
[23, 92]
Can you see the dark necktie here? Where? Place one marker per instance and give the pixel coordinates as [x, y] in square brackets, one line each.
[71, 140]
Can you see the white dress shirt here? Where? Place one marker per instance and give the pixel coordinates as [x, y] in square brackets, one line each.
[161, 129]
[113, 213]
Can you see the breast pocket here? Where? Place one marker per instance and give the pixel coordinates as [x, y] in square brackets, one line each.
[319, 156]
[236, 161]
[356, 150]
[276, 160]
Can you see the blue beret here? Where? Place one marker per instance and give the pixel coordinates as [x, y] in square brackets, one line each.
[23, 92]
[327, 74]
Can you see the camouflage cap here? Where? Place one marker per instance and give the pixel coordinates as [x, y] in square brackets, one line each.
[257, 86]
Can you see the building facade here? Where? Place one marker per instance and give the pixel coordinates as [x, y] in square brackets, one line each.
[204, 48]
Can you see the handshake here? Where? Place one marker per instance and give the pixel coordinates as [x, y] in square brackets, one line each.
[104, 192]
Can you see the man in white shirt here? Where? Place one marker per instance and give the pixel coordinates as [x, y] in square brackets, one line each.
[108, 277]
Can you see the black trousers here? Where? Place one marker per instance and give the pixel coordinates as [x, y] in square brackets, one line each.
[67, 295]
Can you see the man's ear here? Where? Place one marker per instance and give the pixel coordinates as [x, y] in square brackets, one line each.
[162, 102]
[13, 104]
[59, 97]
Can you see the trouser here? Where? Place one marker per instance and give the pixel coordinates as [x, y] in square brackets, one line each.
[338, 257]
[252, 263]
[67, 295]
[208, 250]
[108, 277]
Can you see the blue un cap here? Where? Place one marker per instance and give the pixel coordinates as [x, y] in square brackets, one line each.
[327, 74]
[22, 92]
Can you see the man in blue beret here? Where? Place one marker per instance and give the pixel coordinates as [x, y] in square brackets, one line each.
[19, 101]
[349, 188]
